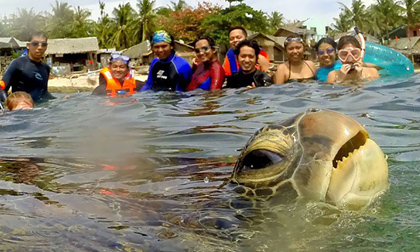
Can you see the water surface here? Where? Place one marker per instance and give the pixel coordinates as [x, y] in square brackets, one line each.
[85, 173]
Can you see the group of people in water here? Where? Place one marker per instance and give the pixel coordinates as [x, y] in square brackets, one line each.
[246, 65]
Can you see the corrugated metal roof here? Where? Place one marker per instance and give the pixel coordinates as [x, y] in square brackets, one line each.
[72, 45]
[404, 43]
[138, 50]
[11, 42]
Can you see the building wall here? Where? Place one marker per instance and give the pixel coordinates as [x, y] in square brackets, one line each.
[414, 31]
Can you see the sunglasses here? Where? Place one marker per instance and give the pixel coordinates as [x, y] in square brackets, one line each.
[329, 50]
[36, 44]
[290, 40]
[117, 57]
[355, 53]
[202, 49]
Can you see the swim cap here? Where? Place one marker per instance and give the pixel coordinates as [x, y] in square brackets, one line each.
[161, 36]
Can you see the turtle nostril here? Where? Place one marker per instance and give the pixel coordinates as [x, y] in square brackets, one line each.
[259, 159]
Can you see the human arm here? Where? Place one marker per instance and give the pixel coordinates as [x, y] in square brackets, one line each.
[101, 89]
[217, 76]
[149, 83]
[185, 74]
[278, 77]
[263, 63]
[8, 76]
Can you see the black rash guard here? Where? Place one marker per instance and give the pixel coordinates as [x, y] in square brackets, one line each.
[24, 74]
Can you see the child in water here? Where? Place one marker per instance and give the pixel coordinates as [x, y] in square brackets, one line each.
[19, 101]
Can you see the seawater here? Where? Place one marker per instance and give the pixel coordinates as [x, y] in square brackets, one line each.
[86, 173]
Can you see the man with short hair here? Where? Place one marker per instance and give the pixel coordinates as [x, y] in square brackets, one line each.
[167, 72]
[231, 65]
[247, 54]
[28, 73]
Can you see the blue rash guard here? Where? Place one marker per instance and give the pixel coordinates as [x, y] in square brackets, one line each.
[170, 74]
[322, 73]
[26, 75]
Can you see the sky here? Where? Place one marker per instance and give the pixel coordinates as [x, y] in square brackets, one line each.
[318, 12]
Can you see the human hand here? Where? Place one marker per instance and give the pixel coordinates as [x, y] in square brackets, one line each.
[251, 86]
[358, 66]
[345, 68]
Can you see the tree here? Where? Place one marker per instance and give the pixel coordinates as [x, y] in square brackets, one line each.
[60, 21]
[24, 23]
[357, 13]
[103, 28]
[180, 5]
[186, 24]
[411, 10]
[342, 23]
[81, 26]
[275, 21]
[218, 24]
[124, 22]
[384, 16]
[147, 17]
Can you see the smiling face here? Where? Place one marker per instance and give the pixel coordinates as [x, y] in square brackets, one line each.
[36, 48]
[162, 50]
[247, 59]
[326, 55]
[204, 52]
[236, 36]
[295, 51]
[119, 69]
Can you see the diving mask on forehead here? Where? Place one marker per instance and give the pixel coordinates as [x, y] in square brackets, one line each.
[116, 57]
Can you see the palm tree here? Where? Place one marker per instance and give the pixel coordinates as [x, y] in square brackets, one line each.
[147, 16]
[180, 5]
[60, 21]
[103, 28]
[81, 25]
[275, 21]
[342, 23]
[357, 13]
[124, 21]
[24, 23]
[384, 16]
[411, 10]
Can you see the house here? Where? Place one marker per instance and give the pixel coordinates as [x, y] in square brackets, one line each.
[297, 28]
[181, 49]
[135, 52]
[410, 47]
[11, 44]
[274, 46]
[76, 52]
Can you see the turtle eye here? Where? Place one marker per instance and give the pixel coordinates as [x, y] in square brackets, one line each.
[258, 159]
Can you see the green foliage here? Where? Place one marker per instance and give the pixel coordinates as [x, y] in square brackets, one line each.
[217, 25]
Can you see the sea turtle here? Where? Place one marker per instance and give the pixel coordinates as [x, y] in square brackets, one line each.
[319, 155]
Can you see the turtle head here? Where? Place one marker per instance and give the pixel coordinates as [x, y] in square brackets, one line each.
[320, 154]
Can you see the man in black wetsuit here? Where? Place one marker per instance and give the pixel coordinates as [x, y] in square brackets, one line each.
[249, 77]
[29, 73]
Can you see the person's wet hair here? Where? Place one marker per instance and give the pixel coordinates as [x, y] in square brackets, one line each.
[293, 37]
[211, 42]
[348, 40]
[326, 40]
[250, 43]
[238, 28]
[15, 98]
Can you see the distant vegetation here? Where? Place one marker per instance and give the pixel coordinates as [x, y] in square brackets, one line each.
[128, 25]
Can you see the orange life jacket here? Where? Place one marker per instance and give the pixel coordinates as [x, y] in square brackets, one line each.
[113, 85]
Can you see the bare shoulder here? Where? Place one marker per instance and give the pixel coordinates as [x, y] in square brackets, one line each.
[371, 72]
[331, 77]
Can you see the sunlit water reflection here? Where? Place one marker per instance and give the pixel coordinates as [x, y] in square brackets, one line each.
[84, 173]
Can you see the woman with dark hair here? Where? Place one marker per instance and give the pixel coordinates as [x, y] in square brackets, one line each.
[326, 49]
[350, 54]
[247, 54]
[296, 69]
[167, 72]
[208, 74]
